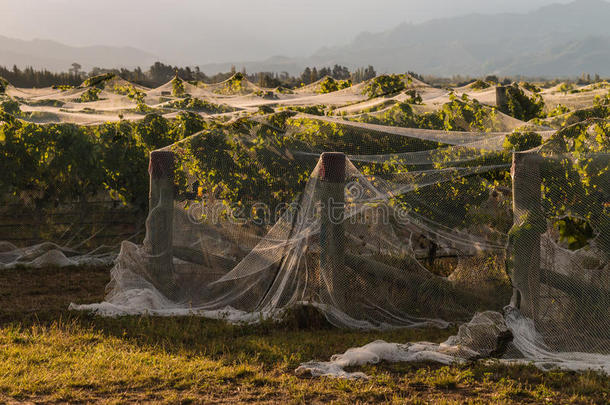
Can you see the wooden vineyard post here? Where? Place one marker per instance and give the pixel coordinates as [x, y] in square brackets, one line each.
[332, 233]
[528, 225]
[160, 221]
[501, 98]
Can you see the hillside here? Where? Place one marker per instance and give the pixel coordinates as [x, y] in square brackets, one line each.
[560, 39]
[54, 56]
[532, 43]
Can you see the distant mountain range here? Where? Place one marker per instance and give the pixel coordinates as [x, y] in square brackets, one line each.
[55, 56]
[556, 40]
[560, 39]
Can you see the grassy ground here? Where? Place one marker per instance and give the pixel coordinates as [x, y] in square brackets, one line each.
[48, 354]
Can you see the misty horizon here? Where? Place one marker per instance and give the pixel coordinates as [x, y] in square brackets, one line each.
[192, 33]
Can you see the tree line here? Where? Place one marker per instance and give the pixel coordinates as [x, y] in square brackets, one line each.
[29, 77]
[160, 73]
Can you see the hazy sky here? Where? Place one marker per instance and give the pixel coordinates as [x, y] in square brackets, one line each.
[203, 31]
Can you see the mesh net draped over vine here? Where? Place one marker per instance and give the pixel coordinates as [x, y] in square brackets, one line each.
[432, 230]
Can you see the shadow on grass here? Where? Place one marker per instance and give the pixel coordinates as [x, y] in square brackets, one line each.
[40, 297]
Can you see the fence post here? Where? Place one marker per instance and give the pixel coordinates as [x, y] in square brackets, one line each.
[332, 233]
[160, 221]
[501, 98]
[528, 224]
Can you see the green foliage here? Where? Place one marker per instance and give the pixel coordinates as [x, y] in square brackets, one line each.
[310, 134]
[576, 179]
[64, 163]
[186, 124]
[178, 87]
[520, 105]
[413, 97]
[242, 162]
[130, 91]
[197, 104]
[574, 232]
[143, 108]
[98, 81]
[565, 88]
[460, 114]
[233, 85]
[92, 94]
[5, 119]
[602, 101]
[245, 162]
[284, 90]
[520, 141]
[402, 115]
[10, 106]
[153, 132]
[57, 163]
[529, 86]
[265, 109]
[3, 85]
[330, 85]
[480, 85]
[559, 109]
[600, 110]
[62, 87]
[236, 166]
[385, 85]
[313, 109]
[266, 94]
[595, 86]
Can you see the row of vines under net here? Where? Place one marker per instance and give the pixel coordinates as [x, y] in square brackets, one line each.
[374, 226]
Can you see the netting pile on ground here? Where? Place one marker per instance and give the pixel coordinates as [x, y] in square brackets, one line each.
[379, 227]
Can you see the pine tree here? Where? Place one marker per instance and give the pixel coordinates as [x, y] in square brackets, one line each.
[325, 71]
[75, 69]
[314, 75]
[340, 72]
[369, 73]
[306, 76]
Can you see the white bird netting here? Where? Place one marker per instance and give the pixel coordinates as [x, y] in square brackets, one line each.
[401, 228]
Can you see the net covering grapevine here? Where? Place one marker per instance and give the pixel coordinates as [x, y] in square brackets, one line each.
[382, 227]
